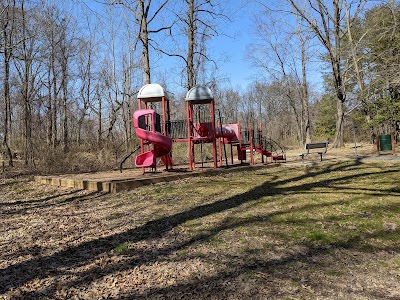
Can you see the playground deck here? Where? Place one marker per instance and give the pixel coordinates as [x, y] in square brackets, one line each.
[115, 181]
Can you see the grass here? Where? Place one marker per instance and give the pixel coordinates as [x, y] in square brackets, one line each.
[331, 205]
[122, 248]
[329, 231]
[328, 197]
[116, 215]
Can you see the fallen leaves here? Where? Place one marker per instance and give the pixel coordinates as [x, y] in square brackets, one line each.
[282, 234]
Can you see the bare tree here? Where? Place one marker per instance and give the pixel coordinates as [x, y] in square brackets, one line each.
[128, 92]
[7, 16]
[28, 66]
[326, 21]
[52, 35]
[305, 101]
[86, 77]
[66, 51]
[144, 18]
[197, 22]
[98, 111]
[57, 57]
[89, 75]
[275, 55]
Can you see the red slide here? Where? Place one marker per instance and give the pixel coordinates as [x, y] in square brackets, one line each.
[162, 144]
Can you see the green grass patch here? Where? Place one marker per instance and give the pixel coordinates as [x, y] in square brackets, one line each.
[321, 237]
[114, 216]
[121, 248]
[335, 205]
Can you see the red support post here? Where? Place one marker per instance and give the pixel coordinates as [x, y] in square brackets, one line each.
[260, 136]
[190, 149]
[141, 141]
[251, 146]
[240, 141]
[220, 146]
[231, 154]
[164, 106]
[214, 142]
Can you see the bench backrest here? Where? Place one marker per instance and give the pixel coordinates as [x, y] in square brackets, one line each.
[320, 145]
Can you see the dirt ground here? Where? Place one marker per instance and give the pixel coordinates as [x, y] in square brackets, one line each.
[366, 151]
[61, 243]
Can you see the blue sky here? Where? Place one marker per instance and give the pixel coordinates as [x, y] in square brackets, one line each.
[230, 45]
[237, 36]
[229, 48]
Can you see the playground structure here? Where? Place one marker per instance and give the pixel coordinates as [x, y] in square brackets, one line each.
[157, 131]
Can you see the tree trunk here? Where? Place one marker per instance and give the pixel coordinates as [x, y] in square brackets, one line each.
[26, 93]
[321, 26]
[64, 55]
[338, 141]
[191, 46]
[99, 115]
[54, 127]
[65, 119]
[49, 122]
[7, 113]
[305, 99]
[7, 39]
[144, 37]
[340, 93]
[64, 103]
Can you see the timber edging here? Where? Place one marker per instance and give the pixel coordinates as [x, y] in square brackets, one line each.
[114, 186]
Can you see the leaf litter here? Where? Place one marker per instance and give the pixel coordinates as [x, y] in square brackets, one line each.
[282, 235]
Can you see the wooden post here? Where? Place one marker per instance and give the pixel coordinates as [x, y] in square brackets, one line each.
[378, 146]
[393, 144]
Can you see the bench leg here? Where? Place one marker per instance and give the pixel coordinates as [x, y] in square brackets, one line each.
[321, 156]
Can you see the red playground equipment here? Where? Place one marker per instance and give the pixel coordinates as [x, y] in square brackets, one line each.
[200, 116]
[148, 128]
[162, 144]
[157, 132]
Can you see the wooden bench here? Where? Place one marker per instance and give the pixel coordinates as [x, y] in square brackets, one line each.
[317, 148]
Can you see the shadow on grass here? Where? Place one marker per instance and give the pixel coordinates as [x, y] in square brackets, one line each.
[21, 207]
[34, 201]
[43, 266]
[10, 183]
[249, 264]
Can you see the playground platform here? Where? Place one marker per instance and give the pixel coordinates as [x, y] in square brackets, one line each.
[115, 181]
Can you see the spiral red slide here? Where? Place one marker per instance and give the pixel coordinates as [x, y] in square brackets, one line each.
[162, 144]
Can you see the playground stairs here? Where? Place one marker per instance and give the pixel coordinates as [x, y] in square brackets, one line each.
[274, 157]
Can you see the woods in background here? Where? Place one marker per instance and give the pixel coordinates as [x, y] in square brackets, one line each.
[70, 73]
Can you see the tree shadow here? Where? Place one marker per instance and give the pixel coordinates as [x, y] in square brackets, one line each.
[7, 184]
[41, 200]
[22, 207]
[215, 286]
[18, 274]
